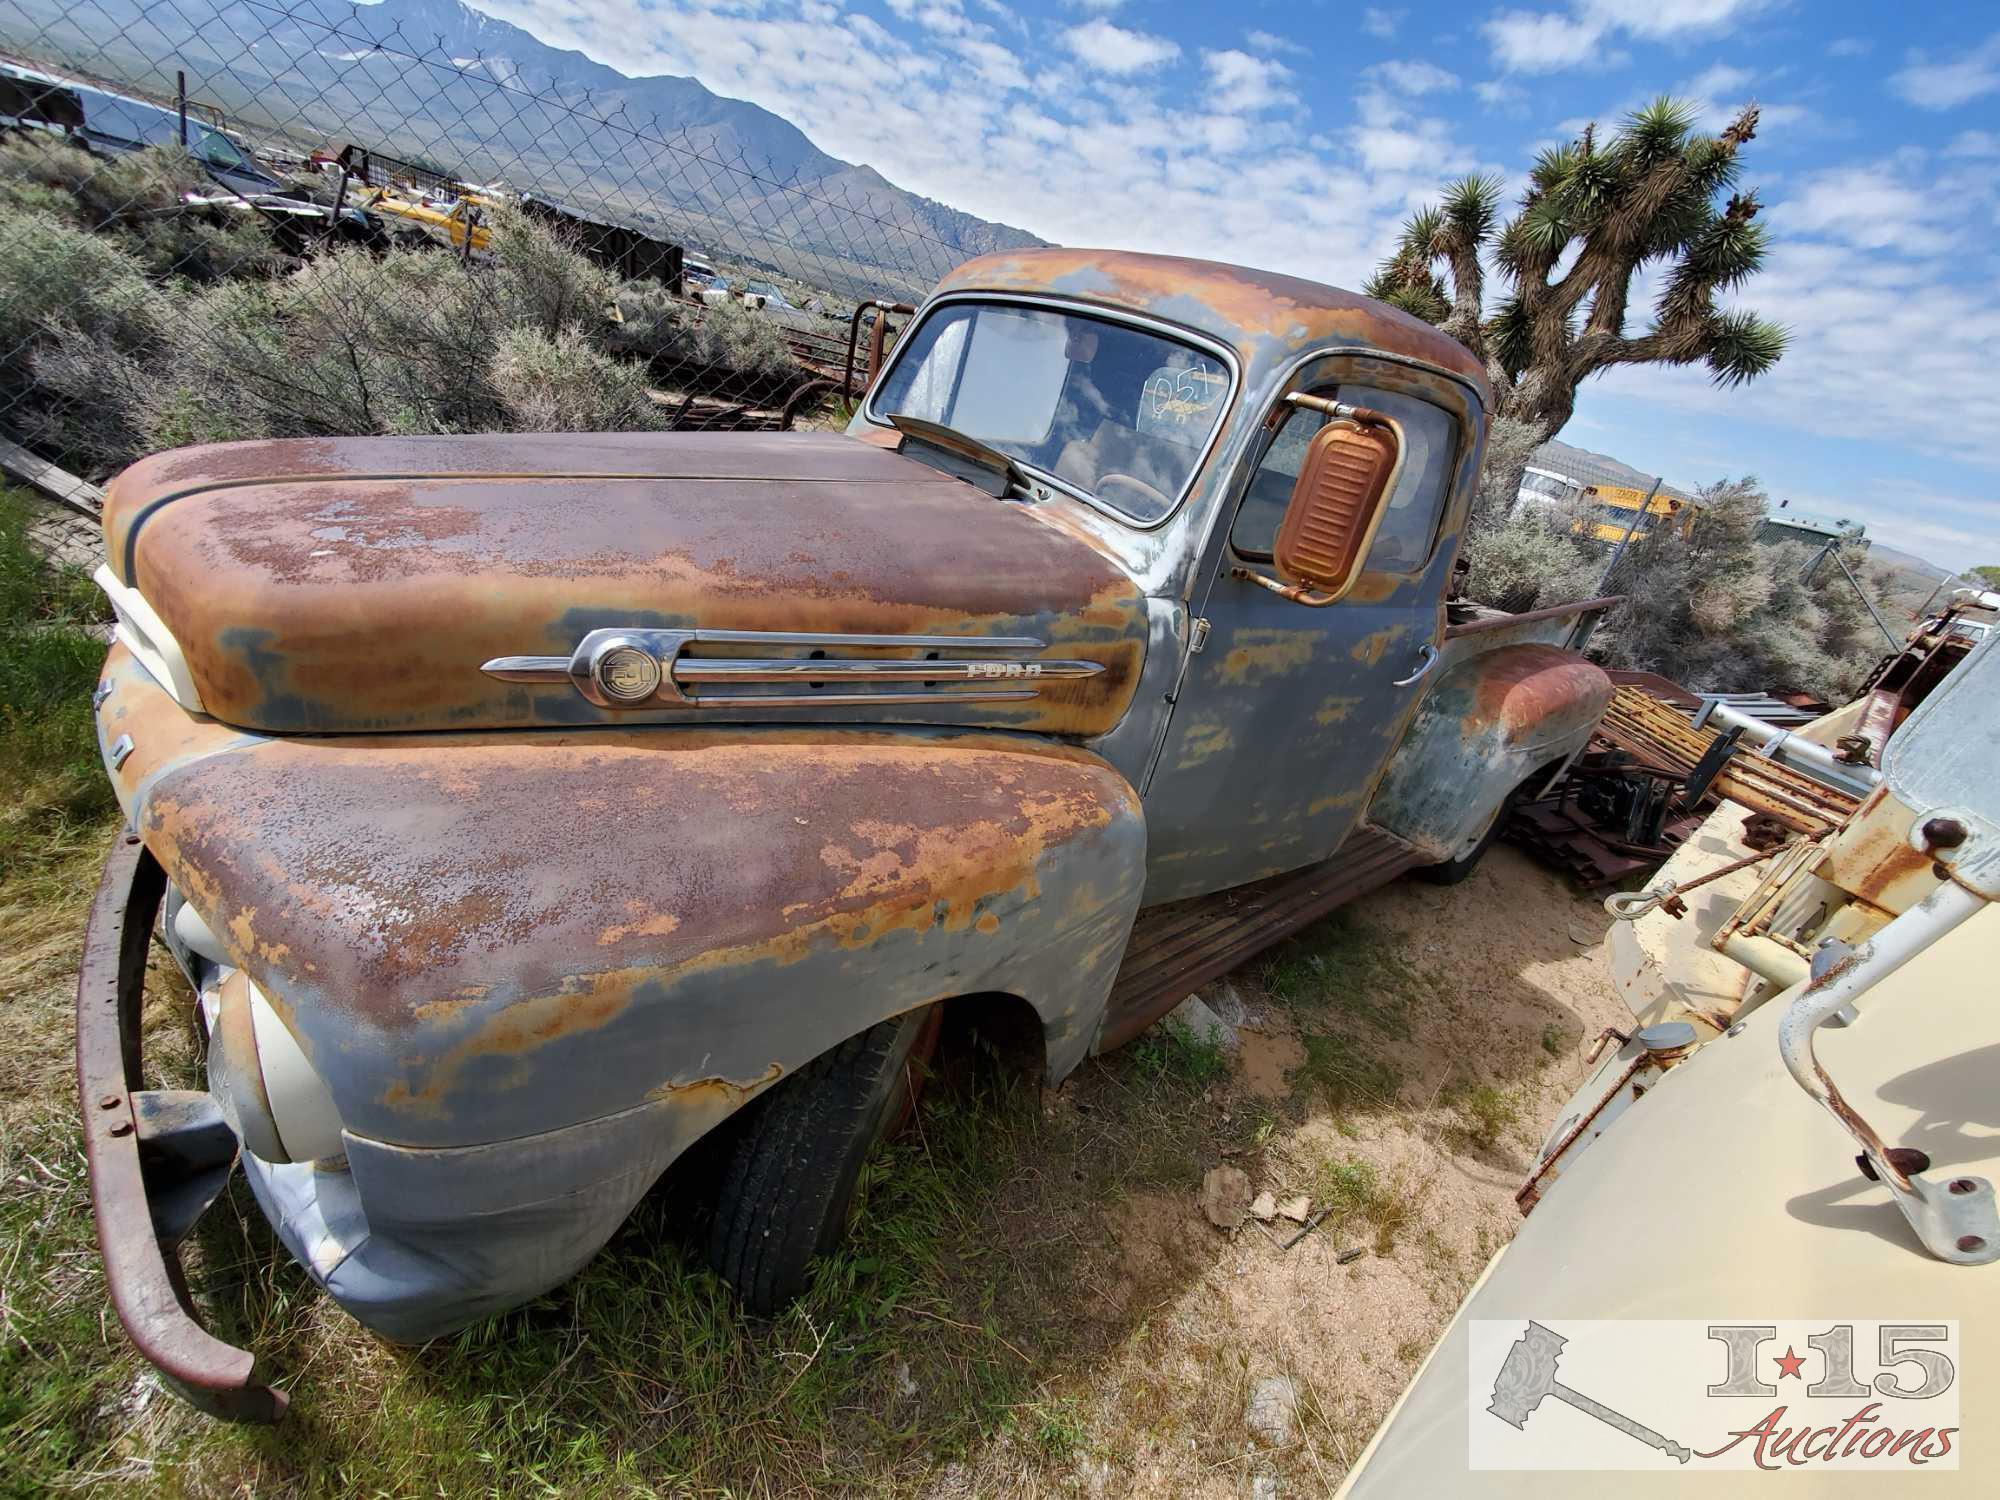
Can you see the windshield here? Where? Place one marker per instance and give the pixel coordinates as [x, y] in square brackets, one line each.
[1121, 414]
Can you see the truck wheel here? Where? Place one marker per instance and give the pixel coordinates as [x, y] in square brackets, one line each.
[1452, 871]
[789, 1180]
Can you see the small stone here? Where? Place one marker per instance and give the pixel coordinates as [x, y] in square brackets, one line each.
[1264, 1206]
[1204, 1024]
[1295, 1209]
[1264, 1487]
[1227, 1004]
[1225, 1196]
[1584, 935]
[1274, 1406]
[906, 1384]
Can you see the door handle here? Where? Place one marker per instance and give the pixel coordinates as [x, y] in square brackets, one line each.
[1429, 656]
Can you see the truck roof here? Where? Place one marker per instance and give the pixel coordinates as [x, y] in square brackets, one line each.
[1266, 317]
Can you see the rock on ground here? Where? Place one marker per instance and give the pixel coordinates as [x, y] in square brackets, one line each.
[1273, 1409]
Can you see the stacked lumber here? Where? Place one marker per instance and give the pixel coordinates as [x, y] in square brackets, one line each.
[1661, 736]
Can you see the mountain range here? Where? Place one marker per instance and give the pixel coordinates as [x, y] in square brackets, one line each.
[439, 81]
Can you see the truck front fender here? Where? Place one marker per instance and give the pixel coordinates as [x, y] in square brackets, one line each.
[479, 937]
[1489, 723]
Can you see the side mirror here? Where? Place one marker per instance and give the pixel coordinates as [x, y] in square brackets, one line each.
[1350, 470]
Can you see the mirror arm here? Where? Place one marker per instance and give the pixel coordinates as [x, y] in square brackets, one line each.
[1364, 414]
[1298, 593]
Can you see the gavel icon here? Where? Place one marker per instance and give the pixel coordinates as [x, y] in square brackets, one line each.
[1529, 1374]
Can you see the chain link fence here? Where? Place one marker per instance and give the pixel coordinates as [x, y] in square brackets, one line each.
[266, 218]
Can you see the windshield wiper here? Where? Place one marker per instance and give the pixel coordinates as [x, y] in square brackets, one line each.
[951, 452]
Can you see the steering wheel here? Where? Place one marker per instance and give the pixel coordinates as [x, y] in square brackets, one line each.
[1155, 501]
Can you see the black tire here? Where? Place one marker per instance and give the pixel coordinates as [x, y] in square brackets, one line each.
[789, 1180]
[1452, 871]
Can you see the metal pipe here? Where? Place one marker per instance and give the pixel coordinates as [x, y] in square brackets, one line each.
[1770, 960]
[181, 104]
[1955, 1221]
[1781, 744]
[1895, 641]
[1626, 540]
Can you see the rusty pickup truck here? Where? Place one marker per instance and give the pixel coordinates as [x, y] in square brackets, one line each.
[522, 808]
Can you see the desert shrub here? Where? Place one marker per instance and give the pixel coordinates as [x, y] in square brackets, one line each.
[1508, 446]
[1532, 558]
[562, 384]
[658, 326]
[1722, 612]
[52, 270]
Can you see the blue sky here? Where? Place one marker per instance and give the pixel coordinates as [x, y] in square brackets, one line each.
[1296, 136]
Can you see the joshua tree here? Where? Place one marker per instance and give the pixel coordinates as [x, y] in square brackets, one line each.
[1594, 215]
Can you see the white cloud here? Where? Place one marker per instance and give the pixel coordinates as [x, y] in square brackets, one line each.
[1720, 79]
[1096, 7]
[1244, 84]
[1531, 42]
[1974, 143]
[1270, 41]
[1526, 41]
[1415, 77]
[1380, 23]
[1948, 83]
[1113, 49]
[1849, 46]
[1498, 93]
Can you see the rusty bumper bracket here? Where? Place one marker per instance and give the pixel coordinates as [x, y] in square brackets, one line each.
[157, 1158]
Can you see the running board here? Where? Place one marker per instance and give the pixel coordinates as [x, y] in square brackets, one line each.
[1178, 946]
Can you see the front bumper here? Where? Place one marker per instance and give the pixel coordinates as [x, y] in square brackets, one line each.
[157, 1158]
[447, 1236]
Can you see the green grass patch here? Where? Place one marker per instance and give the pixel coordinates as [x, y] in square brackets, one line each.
[1170, 1050]
[1358, 1192]
[1344, 965]
[1345, 1074]
[1484, 1115]
[50, 775]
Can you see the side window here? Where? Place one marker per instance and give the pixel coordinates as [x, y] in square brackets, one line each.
[1403, 540]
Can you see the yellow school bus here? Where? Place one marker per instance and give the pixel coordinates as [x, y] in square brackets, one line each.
[1612, 507]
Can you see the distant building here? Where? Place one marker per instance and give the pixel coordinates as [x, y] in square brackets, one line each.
[1788, 525]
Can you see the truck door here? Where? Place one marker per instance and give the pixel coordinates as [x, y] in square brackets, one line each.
[1287, 715]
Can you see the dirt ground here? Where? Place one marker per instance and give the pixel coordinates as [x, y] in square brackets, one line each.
[1505, 988]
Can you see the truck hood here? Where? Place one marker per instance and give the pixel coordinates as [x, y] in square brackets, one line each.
[363, 584]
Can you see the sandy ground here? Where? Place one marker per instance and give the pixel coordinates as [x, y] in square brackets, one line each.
[1213, 1317]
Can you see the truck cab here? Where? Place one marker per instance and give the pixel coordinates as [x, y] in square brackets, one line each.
[526, 808]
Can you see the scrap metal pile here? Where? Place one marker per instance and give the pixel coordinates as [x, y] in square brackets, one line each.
[1647, 779]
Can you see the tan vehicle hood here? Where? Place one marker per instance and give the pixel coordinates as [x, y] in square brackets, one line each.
[359, 584]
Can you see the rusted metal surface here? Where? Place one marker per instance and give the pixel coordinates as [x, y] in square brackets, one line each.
[1498, 621]
[357, 585]
[1265, 314]
[1492, 721]
[1178, 947]
[876, 338]
[141, 1273]
[1872, 859]
[476, 937]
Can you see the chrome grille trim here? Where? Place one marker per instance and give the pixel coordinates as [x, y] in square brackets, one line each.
[846, 680]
